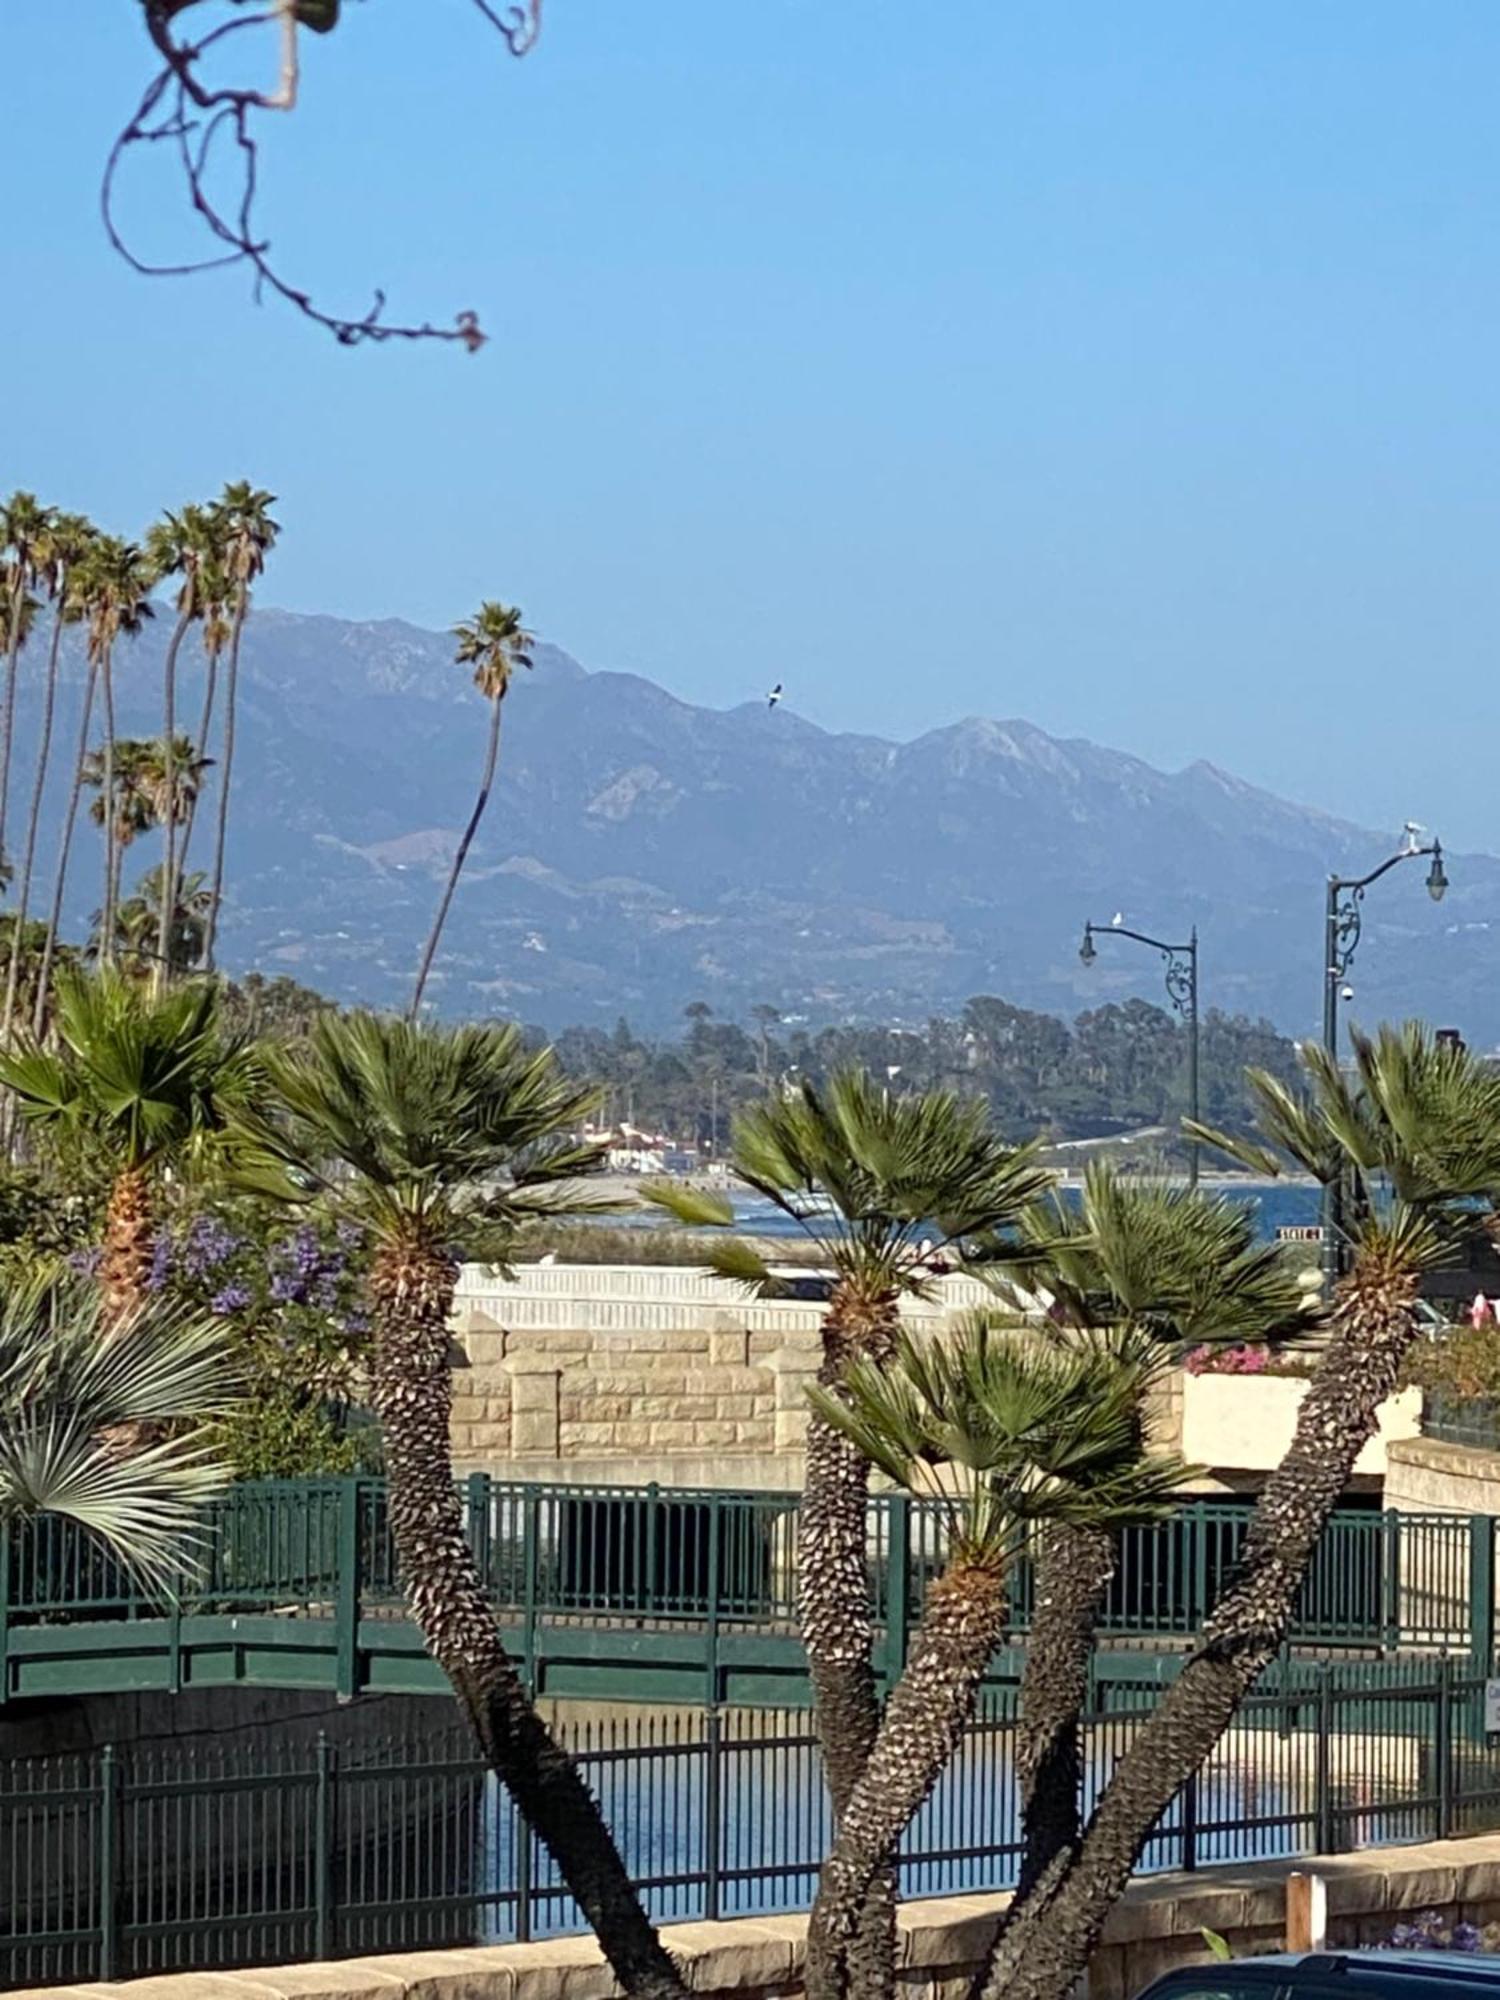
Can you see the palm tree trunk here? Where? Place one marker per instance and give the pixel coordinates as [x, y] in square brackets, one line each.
[8, 713]
[169, 775]
[1073, 1569]
[129, 1227]
[413, 1296]
[231, 697]
[65, 845]
[1046, 1946]
[835, 1615]
[459, 857]
[111, 829]
[210, 689]
[924, 1723]
[28, 861]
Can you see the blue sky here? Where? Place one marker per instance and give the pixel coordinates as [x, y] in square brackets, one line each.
[1130, 369]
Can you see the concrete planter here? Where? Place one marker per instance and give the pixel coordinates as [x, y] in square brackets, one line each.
[1244, 1423]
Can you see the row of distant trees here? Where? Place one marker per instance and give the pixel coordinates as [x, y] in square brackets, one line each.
[1114, 1068]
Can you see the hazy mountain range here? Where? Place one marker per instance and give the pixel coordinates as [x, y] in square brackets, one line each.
[641, 852]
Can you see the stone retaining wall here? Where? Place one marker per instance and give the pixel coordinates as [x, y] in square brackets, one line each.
[1157, 1925]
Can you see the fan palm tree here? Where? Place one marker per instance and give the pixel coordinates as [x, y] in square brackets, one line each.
[70, 1383]
[881, 1184]
[114, 590]
[24, 522]
[186, 545]
[494, 642]
[250, 533]
[1151, 1271]
[1417, 1130]
[63, 552]
[126, 777]
[1010, 1430]
[174, 780]
[431, 1138]
[146, 1080]
[136, 923]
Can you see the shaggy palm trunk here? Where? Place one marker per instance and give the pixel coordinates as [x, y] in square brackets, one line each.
[413, 1295]
[1046, 1947]
[8, 712]
[38, 787]
[64, 850]
[924, 1723]
[837, 1626]
[461, 854]
[1073, 1569]
[163, 968]
[205, 723]
[129, 1227]
[226, 764]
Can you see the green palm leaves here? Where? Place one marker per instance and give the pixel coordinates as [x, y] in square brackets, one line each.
[879, 1181]
[68, 1380]
[421, 1131]
[1035, 1429]
[494, 642]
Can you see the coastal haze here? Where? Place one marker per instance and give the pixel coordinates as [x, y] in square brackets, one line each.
[641, 852]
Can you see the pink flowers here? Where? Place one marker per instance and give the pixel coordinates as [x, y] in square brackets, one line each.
[1481, 1313]
[1243, 1360]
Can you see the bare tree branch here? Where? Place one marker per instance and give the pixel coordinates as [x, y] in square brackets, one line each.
[181, 110]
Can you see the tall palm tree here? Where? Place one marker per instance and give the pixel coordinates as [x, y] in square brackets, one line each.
[172, 782]
[143, 1079]
[114, 589]
[184, 545]
[881, 1184]
[1009, 1430]
[1417, 1130]
[426, 1136]
[245, 513]
[494, 642]
[23, 524]
[69, 1382]
[62, 554]
[126, 778]
[1150, 1270]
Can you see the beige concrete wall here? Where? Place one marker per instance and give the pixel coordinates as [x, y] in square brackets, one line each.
[1157, 1925]
[1424, 1476]
[635, 1372]
[1244, 1423]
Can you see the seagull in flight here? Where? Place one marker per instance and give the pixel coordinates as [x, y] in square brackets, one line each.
[1116, 920]
[774, 696]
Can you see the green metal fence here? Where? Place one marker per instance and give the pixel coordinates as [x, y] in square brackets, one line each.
[133, 1860]
[1383, 1582]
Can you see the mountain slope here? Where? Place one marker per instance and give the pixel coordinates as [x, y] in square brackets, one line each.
[641, 852]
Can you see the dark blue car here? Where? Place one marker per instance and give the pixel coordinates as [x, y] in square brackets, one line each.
[1336, 1975]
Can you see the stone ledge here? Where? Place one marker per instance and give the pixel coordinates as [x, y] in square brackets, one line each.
[1160, 1914]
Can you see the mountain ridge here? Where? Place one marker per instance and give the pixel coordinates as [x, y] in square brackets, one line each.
[642, 851]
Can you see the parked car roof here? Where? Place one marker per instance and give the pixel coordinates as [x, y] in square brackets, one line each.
[1382, 1975]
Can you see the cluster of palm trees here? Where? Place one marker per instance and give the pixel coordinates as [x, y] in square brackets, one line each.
[1030, 1432]
[58, 571]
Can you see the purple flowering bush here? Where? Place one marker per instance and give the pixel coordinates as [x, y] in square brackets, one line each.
[1431, 1932]
[292, 1301]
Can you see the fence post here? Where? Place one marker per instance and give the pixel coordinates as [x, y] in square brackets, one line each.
[523, 1878]
[529, 1557]
[479, 1524]
[1198, 1523]
[653, 1522]
[322, 1851]
[1190, 1823]
[1443, 1747]
[711, 1622]
[346, 1623]
[1391, 1581]
[897, 1584]
[1323, 1763]
[1482, 1593]
[5, 1562]
[109, 1863]
[712, 1790]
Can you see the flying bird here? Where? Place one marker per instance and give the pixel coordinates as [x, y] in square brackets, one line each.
[774, 696]
[1117, 919]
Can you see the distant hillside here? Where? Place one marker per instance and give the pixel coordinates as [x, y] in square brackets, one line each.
[641, 852]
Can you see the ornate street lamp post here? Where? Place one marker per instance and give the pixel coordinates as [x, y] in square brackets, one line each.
[1342, 925]
[1181, 962]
